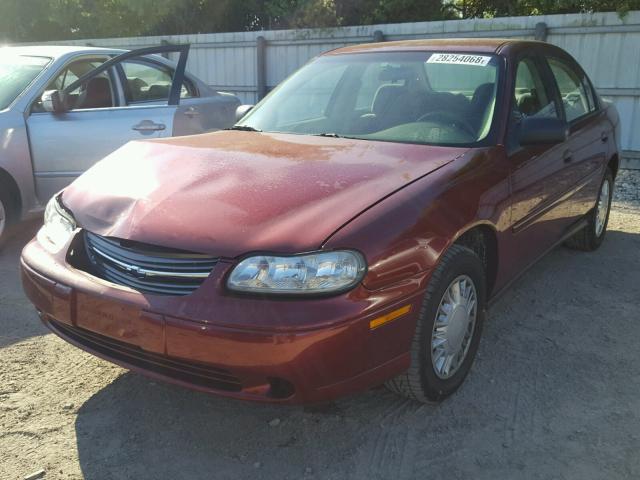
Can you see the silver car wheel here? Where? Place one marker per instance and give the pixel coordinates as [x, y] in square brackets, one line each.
[454, 326]
[603, 207]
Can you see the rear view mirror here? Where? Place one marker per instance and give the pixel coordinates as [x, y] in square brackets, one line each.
[542, 131]
[242, 110]
[54, 101]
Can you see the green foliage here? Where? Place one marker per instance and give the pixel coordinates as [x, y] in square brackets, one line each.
[40, 20]
[37, 20]
[502, 8]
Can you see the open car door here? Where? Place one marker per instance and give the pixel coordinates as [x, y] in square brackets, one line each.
[92, 107]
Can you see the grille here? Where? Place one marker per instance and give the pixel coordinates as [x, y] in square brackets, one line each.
[147, 268]
[195, 373]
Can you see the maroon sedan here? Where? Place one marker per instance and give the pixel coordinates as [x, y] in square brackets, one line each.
[350, 230]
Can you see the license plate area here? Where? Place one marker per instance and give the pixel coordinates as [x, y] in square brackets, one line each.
[123, 322]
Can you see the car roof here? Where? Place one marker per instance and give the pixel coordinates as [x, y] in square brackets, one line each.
[56, 51]
[480, 45]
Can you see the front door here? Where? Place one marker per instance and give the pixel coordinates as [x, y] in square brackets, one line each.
[536, 191]
[100, 119]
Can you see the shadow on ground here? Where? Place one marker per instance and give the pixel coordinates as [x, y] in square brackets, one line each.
[555, 393]
[18, 318]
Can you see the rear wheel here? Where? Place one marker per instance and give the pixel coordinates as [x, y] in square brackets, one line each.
[591, 237]
[448, 330]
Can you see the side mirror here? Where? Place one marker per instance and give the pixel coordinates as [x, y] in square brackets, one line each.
[242, 110]
[542, 131]
[54, 101]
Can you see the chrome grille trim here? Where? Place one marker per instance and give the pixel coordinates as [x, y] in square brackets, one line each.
[149, 273]
[147, 268]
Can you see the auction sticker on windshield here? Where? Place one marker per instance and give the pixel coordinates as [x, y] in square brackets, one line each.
[459, 59]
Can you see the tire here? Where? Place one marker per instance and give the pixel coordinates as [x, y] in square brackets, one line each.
[589, 238]
[7, 214]
[421, 381]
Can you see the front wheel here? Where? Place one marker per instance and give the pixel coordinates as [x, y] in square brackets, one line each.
[591, 237]
[448, 330]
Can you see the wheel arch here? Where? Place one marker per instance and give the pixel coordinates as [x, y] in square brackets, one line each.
[8, 182]
[483, 240]
[614, 164]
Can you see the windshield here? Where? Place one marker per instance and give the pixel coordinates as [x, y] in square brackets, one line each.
[16, 73]
[414, 97]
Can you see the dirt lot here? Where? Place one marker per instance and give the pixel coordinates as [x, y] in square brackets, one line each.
[554, 394]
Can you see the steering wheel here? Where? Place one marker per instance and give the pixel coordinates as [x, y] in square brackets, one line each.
[449, 119]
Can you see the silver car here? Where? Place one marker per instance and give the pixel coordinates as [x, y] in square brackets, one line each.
[63, 108]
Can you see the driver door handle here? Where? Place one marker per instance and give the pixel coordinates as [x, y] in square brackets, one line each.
[149, 126]
[567, 156]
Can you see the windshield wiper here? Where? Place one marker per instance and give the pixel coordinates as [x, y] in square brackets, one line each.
[243, 128]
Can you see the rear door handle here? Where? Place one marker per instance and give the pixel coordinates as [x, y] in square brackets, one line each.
[604, 137]
[148, 126]
[567, 156]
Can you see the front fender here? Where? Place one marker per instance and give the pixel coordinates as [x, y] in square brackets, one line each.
[405, 235]
[15, 157]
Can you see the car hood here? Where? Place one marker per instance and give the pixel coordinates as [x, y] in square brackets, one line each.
[231, 192]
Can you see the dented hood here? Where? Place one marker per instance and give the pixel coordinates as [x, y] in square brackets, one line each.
[231, 192]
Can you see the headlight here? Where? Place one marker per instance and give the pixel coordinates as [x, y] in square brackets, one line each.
[58, 227]
[315, 273]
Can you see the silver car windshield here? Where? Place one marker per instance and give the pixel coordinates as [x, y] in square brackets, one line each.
[16, 73]
[439, 98]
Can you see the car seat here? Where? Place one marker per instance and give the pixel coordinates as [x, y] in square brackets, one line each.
[97, 94]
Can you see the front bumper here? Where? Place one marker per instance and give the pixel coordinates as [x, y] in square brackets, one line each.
[287, 351]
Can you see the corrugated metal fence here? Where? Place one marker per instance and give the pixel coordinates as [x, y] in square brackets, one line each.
[245, 63]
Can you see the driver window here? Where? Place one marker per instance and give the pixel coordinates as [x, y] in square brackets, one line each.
[531, 98]
[97, 92]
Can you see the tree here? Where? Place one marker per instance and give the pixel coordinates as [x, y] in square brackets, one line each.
[501, 8]
[46, 20]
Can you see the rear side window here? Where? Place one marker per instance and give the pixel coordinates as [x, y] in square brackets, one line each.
[577, 97]
[150, 82]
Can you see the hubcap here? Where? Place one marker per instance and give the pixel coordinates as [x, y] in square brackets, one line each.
[3, 218]
[602, 207]
[453, 328]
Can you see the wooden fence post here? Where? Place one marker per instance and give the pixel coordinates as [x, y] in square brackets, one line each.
[541, 31]
[378, 36]
[261, 67]
[163, 43]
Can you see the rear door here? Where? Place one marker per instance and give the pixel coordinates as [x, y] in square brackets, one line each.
[102, 117]
[588, 141]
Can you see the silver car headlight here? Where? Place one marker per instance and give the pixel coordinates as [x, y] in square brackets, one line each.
[58, 227]
[313, 273]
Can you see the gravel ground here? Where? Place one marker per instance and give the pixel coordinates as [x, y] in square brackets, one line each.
[627, 192]
[554, 394]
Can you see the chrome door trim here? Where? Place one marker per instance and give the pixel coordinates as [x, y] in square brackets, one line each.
[57, 174]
